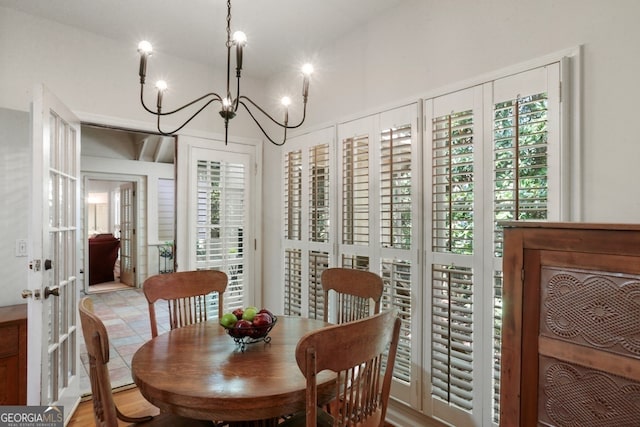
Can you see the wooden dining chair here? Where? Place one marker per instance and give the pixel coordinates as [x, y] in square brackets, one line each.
[105, 411]
[185, 293]
[362, 353]
[354, 290]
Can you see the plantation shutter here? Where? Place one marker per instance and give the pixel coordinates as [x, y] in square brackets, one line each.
[319, 222]
[455, 261]
[293, 195]
[378, 227]
[396, 187]
[398, 155]
[355, 190]
[525, 181]
[293, 282]
[221, 202]
[216, 219]
[307, 239]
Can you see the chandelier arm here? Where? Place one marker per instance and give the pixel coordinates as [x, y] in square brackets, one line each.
[282, 125]
[284, 139]
[215, 96]
[185, 123]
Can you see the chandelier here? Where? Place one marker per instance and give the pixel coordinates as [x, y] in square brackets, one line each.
[228, 104]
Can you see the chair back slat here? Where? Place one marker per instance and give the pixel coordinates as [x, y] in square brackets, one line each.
[186, 295]
[362, 353]
[355, 291]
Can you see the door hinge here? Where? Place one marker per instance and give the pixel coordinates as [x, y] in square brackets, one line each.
[522, 276]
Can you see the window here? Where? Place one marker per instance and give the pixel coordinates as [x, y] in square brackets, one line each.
[307, 233]
[379, 227]
[492, 150]
[214, 202]
[487, 153]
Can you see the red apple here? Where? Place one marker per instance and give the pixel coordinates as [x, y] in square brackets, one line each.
[238, 312]
[243, 327]
[262, 319]
[265, 311]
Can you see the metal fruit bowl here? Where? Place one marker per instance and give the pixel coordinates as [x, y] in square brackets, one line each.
[251, 334]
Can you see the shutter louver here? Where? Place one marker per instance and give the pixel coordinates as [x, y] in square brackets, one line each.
[318, 262]
[453, 186]
[520, 161]
[497, 343]
[395, 187]
[293, 195]
[220, 225]
[396, 276]
[452, 335]
[293, 282]
[357, 262]
[355, 190]
[319, 193]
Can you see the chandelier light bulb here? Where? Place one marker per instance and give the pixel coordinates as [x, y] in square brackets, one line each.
[144, 47]
[286, 101]
[307, 69]
[240, 38]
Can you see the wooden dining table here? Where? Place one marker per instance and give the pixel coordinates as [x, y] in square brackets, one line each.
[199, 371]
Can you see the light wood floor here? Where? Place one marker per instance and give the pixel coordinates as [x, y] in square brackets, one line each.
[129, 401]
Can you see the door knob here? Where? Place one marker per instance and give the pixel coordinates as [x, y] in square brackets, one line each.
[47, 264]
[51, 291]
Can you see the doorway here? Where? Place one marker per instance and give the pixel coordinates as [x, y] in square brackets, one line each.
[129, 192]
[110, 234]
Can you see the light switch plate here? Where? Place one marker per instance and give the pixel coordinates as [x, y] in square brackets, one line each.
[21, 247]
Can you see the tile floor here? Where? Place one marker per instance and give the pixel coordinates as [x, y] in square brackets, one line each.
[126, 316]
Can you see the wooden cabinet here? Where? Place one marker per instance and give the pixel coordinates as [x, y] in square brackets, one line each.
[571, 325]
[13, 355]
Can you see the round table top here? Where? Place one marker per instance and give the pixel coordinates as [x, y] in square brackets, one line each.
[198, 371]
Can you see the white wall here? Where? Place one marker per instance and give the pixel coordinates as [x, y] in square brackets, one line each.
[411, 51]
[97, 79]
[424, 45]
[95, 75]
[15, 158]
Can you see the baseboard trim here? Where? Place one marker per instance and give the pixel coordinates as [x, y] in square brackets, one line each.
[401, 415]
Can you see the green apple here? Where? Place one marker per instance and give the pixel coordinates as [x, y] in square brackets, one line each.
[228, 320]
[249, 313]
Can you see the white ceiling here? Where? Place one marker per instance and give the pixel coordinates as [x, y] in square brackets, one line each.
[281, 33]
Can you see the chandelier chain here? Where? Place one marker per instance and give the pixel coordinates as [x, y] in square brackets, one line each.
[229, 23]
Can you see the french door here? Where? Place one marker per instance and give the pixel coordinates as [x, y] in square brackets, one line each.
[127, 234]
[53, 357]
[216, 216]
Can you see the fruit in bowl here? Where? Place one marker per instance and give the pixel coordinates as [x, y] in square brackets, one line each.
[249, 323]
